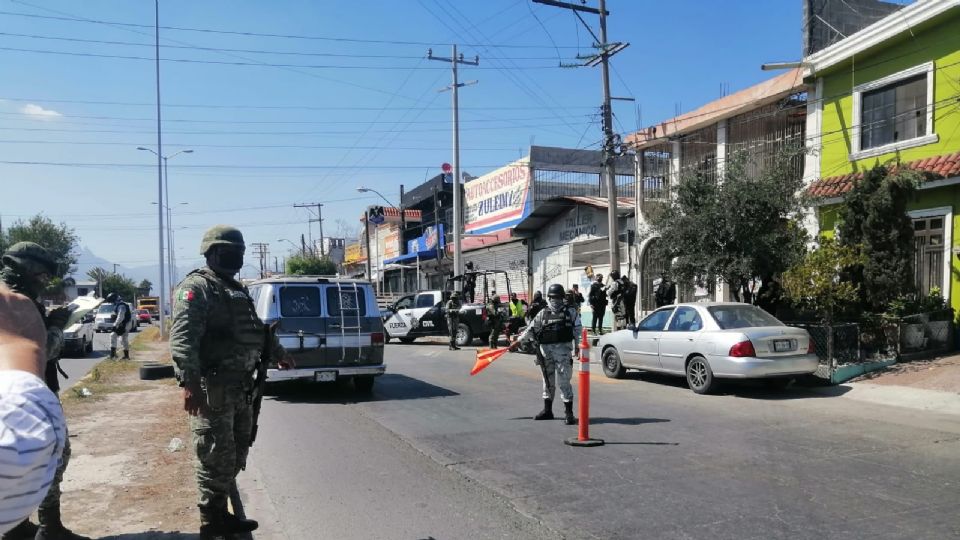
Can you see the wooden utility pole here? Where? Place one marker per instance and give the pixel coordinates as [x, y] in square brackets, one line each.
[319, 219]
[457, 202]
[261, 251]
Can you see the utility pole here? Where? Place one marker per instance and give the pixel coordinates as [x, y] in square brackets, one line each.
[366, 232]
[457, 203]
[303, 246]
[260, 249]
[318, 220]
[160, 198]
[611, 142]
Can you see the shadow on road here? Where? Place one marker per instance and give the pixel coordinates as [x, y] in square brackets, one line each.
[626, 421]
[646, 443]
[388, 387]
[154, 535]
[802, 388]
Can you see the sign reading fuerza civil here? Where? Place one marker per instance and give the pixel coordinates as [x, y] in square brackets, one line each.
[498, 200]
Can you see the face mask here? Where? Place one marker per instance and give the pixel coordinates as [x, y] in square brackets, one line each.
[556, 303]
[229, 261]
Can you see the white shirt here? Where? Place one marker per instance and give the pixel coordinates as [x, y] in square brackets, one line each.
[32, 435]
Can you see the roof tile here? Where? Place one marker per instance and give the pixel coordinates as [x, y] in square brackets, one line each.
[942, 166]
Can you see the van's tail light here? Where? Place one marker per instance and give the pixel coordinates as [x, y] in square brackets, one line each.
[743, 349]
[483, 315]
[811, 349]
[376, 339]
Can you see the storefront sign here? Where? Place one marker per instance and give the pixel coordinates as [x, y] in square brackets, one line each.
[432, 238]
[391, 245]
[498, 200]
[578, 224]
[353, 254]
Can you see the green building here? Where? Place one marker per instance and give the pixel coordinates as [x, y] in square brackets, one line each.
[890, 94]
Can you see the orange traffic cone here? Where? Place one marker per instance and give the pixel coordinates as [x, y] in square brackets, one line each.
[485, 357]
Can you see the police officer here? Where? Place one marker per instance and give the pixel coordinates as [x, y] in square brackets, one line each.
[555, 328]
[27, 267]
[453, 318]
[216, 339]
[494, 318]
[121, 326]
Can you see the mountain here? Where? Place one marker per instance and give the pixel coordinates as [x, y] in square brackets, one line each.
[88, 260]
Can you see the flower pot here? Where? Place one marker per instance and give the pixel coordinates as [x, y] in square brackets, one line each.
[912, 337]
[938, 333]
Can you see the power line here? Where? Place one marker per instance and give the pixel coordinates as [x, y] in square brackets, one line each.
[263, 34]
[264, 133]
[263, 146]
[218, 166]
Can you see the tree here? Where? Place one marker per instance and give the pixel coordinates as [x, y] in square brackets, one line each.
[144, 288]
[310, 265]
[746, 226]
[874, 216]
[59, 239]
[120, 284]
[819, 283]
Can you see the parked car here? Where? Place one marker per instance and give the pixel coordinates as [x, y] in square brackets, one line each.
[330, 326]
[78, 337]
[144, 316]
[708, 341]
[106, 317]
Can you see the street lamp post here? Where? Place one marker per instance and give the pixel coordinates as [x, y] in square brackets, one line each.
[403, 222]
[171, 271]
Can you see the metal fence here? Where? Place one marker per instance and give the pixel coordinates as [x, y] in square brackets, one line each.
[904, 339]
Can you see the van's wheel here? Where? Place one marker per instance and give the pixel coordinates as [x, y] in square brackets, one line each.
[407, 339]
[699, 375]
[152, 372]
[464, 335]
[611, 364]
[364, 383]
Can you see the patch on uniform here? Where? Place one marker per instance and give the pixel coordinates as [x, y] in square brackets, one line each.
[186, 295]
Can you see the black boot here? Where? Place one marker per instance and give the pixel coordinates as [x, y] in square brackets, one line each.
[568, 418]
[211, 523]
[547, 412]
[51, 528]
[126, 354]
[113, 353]
[25, 530]
[234, 524]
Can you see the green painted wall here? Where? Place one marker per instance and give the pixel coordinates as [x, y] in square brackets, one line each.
[940, 43]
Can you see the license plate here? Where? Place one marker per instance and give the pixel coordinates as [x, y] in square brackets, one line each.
[325, 376]
[782, 345]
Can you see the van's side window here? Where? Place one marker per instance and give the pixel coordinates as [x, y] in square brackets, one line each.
[300, 301]
[347, 300]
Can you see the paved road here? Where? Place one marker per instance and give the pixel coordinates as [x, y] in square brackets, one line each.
[76, 368]
[438, 454]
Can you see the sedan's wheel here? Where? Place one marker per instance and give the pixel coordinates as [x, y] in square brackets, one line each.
[699, 375]
[464, 335]
[611, 364]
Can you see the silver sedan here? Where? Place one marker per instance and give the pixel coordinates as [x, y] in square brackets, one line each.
[708, 341]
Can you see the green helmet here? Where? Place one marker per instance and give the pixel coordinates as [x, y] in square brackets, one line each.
[221, 235]
[30, 257]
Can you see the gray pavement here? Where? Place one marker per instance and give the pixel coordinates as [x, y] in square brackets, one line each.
[436, 453]
[77, 367]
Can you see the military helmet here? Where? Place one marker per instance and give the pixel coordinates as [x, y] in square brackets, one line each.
[113, 297]
[31, 257]
[556, 291]
[221, 235]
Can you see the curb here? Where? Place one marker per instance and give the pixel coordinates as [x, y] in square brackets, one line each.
[898, 396]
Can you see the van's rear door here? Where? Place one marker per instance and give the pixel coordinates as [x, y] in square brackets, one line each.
[350, 323]
[302, 330]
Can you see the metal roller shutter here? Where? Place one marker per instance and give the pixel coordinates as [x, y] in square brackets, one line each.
[511, 257]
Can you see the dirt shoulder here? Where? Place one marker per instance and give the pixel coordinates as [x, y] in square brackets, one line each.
[941, 374]
[123, 482]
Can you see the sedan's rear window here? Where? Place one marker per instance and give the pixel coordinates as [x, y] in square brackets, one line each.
[729, 317]
[300, 301]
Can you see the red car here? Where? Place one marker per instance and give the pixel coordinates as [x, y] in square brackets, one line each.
[144, 316]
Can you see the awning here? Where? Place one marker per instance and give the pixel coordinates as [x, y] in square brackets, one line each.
[421, 255]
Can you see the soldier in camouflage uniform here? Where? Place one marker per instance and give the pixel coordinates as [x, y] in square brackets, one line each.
[453, 318]
[494, 318]
[216, 339]
[26, 269]
[555, 328]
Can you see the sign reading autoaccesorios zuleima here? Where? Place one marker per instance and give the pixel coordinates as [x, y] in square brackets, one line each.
[498, 200]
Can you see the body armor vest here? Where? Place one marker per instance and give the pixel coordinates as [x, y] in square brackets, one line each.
[557, 327]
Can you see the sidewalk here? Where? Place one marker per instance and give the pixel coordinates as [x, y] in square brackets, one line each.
[926, 385]
[122, 481]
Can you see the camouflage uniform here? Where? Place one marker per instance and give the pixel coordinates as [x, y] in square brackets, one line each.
[216, 339]
[20, 263]
[495, 319]
[551, 328]
[453, 319]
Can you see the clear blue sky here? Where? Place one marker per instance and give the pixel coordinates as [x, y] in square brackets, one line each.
[379, 122]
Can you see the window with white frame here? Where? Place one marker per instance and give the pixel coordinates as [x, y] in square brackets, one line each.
[928, 240]
[894, 112]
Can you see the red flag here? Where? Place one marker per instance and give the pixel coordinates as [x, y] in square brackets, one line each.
[485, 357]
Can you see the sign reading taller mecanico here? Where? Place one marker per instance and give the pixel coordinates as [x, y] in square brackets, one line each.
[498, 200]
